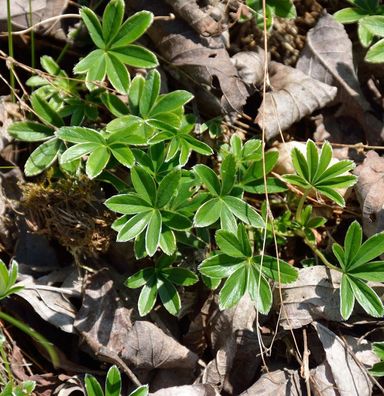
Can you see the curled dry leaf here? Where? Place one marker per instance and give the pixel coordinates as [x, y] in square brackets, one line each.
[370, 192]
[293, 96]
[250, 67]
[276, 383]
[203, 64]
[188, 390]
[328, 57]
[350, 377]
[315, 295]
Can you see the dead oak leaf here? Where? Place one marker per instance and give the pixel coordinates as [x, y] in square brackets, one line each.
[293, 96]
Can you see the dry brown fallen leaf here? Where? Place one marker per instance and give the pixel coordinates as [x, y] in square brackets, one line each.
[315, 295]
[276, 383]
[328, 57]
[293, 95]
[52, 303]
[370, 192]
[41, 10]
[109, 327]
[350, 378]
[188, 390]
[200, 64]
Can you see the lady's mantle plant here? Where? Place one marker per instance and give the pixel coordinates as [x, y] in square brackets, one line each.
[144, 145]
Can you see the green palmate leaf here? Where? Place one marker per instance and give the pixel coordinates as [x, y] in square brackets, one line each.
[227, 219]
[312, 159]
[366, 297]
[93, 25]
[300, 163]
[325, 158]
[373, 271]
[29, 131]
[117, 73]
[143, 184]
[377, 370]
[92, 386]
[338, 182]
[167, 241]
[376, 53]
[180, 276]
[88, 62]
[77, 151]
[338, 251]
[336, 169]
[169, 296]
[133, 28]
[45, 111]
[374, 24]
[243, 239]
[112, 19]
[123, 154]
[136, 56]
[365, 36]
[152, 236]
[140, 278]
[244, 211]
[277, 270]
[140, 391]
[127, 204]
[370, 249]
[349, 15]
[332, 194]
[171, 101]
[234, 288]
[114, 104]
[208, 213]
[347, 298]
[80, 135]
[296, 180]
[167, 188]
[228, 173]
[220, 266]
[259, 290]
[135, 93]
[148, 295]
[352, 241]
[176, 221]
[378, 348]
[229, 244]
[150, 92]
[113, 382]
[133, 227]
[208, 178]
[97, 161]
[42, 158]
[97, 72]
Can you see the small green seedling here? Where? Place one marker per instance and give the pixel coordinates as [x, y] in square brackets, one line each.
[115, 49]
[357, 268]
[246, 272]
[161, 280]
[369, 14]
[147, 212]
[314, 172]
[8, 278]
[26, 388]
[225, 200]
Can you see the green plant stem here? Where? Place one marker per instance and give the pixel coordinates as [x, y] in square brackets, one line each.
[34, 334]
[33, 57]
[6, 364]
[300, 205]
[320, 255]
[10, 50]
